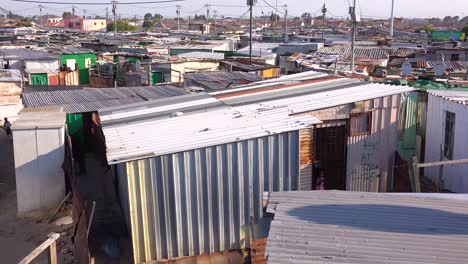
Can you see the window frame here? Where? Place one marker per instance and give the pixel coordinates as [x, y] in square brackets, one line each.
[352, 133]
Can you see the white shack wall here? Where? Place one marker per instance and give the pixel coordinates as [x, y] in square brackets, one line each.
[371, 157]
[40, 181]
[454, 177]
[49, 66]
[202, 201]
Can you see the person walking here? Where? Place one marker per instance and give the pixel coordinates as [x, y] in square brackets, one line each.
[7, 127]
[320, 185]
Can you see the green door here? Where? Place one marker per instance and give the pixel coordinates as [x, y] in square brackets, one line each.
[157, 77]
[75, 126]
[39, 79]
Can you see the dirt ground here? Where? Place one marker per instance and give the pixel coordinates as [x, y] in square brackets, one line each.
[108, 239]
[20, 235]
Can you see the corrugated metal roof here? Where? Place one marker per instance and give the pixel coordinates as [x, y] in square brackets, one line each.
[89, 100]
[220, 80]
[460, 97]
[178, 131]
[366, 228]
[360, 53]
[311, 95]
[202, 55]
[10, 75]
[26, 54]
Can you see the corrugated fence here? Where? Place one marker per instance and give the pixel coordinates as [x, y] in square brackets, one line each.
[204, 200]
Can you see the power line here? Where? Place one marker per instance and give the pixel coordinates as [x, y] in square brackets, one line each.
[97, 3]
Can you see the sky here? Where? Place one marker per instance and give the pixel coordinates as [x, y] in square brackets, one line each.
[230, 8]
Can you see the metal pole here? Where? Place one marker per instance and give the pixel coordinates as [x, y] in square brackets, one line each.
[214, 20]
[178, 18]
[392, 19]
[40, 15]
[114, 12]
[276, 11]
[207, 18]
[107, 14]
[353, 34]
[250, 30]
[324, 11]
[286, 38]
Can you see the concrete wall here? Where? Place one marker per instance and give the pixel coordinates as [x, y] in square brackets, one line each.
[454, 177]
[40, 181]
[94, 24]
[10, 100]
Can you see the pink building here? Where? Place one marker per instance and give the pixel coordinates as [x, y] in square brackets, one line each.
[82, 24]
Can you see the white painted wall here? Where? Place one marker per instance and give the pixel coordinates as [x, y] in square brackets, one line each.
[455, 177]
[49, 66]
[39, 154]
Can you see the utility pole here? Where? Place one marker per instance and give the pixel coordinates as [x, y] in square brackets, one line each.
[286, 37]
[40, 15]
[392, 20]
[352, 11]
[214, 20]
[207, 17]
[73, 11]
[250, 3]
[114, 12]
[178, 17]
[107, 14]
[324, 11]
[84, 13]
[84, 19]
[276, 11]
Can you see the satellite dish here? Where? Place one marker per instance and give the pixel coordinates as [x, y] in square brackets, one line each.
[439, 68]
[406, 68]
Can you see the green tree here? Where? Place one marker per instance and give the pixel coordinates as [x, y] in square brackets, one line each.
[158, 16]
[122, 26]
[66, 14]
[275, 17]
[148, 16]
[148, 23]
[428, 29]
[465, 29]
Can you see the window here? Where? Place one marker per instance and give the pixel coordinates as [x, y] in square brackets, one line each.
[455, 57]
[102, 23]
[87, 63]
[77, 24]
[95, 23]
[449, 136]
[70, 24]
[360, 124]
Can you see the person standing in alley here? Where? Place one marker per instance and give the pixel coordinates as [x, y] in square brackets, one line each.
[320, 185]
[7, 127]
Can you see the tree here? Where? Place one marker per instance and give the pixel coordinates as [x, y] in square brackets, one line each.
[200, 17]
[148, 16]
[148, 24]
[121, 26]
[428, 29]
[465, 29]
[158, 16]
[307, 18]
[275, 17]
[66, 14]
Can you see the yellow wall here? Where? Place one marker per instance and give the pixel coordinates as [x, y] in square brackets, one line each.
[178, 69]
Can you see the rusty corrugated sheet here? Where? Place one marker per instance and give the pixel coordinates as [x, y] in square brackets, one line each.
[306, 155]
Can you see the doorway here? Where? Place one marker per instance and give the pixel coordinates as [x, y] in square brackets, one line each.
[330, 153]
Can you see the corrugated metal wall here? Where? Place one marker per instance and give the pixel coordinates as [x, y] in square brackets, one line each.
[454, 177]
[201, 201]
[50, 66]
[371, 157]
[408, 122]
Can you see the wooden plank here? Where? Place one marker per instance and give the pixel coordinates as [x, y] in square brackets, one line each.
[36, 252]
[416, 180]
[442, 163]
[53, 253]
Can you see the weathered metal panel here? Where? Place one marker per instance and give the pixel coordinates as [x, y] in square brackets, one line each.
[203, 200]
[371, 157]
[408, 122]
[454, 177]
[306, 154]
